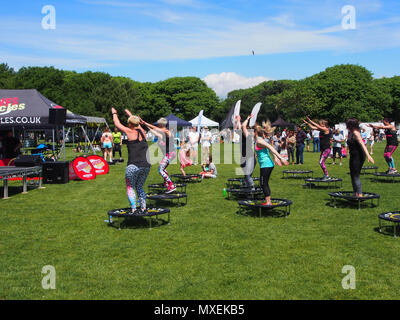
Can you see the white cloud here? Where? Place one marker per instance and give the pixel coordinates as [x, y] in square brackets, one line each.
[225, 82]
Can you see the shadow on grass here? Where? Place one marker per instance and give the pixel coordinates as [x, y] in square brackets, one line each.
[387, 230]
[321, 187]
[272, 213]
[344, 204]
[136, 222]
[14, 190]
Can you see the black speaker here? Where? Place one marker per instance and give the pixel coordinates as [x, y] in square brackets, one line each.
[28, 161]
[56, 172]
[58, 116]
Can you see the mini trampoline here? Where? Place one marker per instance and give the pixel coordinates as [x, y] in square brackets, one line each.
[348, 196]
[286, 174]
[187, 178]
[316, 182]
[160, 188]
[241, 192]
[154, 197]
[386, 176]
[234, 182]
[364, 170]
[127, 213]
[256, 205]
[393, 218]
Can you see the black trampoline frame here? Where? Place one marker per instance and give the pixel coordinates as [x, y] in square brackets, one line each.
[310, 182]
[334, 197]
[286, 204]
[395, 224]
[297, 174]
[7, 173]
[234, 182]
[242, 192]
[168, 197]
[188, 178]
[365, 169]
[386, 176]
[132, 216]
[161, 188]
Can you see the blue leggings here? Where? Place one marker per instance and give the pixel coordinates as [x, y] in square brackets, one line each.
[135, 178]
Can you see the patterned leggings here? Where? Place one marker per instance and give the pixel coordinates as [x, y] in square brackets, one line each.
[388, 155]
[324, 155]
[162, 168]
[135, 178]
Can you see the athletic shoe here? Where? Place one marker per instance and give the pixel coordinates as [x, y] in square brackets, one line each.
[324, 178]
[341, 164]
[265, 204]
[171, 188]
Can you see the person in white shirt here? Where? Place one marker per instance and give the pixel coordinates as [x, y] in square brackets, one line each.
[194, 144]
[205, 144]
[315, 134]
[338, 139]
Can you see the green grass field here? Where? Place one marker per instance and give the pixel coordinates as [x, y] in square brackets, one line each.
[208, 252]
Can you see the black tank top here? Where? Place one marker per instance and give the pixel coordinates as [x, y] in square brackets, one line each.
[354, 145]
[391, 137]
[325, 140]
[137, 151]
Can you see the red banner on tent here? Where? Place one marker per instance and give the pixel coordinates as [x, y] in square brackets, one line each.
[100, 165]
[81, 168]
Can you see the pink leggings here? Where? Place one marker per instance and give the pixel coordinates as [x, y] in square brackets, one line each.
[324, 155]
[162, 169]
[388, 155]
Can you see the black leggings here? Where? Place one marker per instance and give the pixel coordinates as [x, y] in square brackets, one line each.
[290, 151]
[265, 174]
[356, 162]
[117, 147]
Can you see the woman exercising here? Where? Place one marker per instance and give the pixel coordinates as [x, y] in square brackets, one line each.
[358, 151]
[325, 136]
[263, 150]
[391, 143]
[138, 166]
[166, 146]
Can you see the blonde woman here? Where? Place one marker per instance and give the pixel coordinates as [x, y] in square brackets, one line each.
[264, 151]
[138, 166]
[167, 147]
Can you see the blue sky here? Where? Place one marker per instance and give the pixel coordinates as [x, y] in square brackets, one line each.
[213, 40]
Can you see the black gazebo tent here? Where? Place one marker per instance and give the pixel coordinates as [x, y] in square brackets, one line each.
[179, 122]
[282, 123]
[28, 109]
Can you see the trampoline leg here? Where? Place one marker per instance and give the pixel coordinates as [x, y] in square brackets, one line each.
[150, 223]
[380, 226]
[169, 221]
[25, 186]
[5, 186]
[40, 181]
[259, 211]
[358, 204]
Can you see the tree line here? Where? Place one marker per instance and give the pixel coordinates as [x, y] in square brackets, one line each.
[336, 94]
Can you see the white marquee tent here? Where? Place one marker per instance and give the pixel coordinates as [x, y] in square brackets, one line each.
[205, 122]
